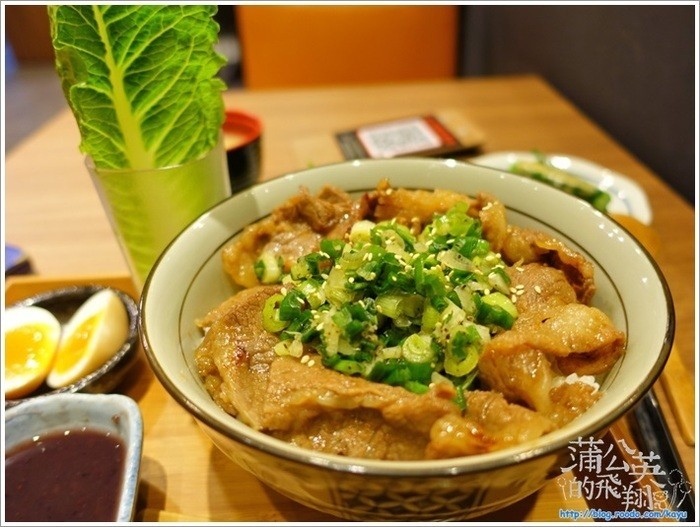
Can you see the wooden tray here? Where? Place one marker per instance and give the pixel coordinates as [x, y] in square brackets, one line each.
[185, 478]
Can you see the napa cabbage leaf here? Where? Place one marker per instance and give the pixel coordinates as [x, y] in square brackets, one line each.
[141, 80]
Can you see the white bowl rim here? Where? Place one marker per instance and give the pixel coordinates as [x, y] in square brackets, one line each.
[422, 468]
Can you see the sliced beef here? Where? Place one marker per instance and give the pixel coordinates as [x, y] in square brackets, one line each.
[413, 208]
[318, 408]
[294, 229]
[306, 402]
[235, 355]
[518, 245]
[490, 423]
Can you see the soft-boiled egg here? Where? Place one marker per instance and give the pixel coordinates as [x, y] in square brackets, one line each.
[95, 332]
[32, 335]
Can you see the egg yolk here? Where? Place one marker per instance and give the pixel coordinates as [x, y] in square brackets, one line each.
[29, 352]
[74, 346]
[28, 348]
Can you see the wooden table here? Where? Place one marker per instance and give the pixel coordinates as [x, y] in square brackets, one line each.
[53, 212]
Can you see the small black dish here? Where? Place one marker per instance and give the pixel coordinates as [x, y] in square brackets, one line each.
[63, 303]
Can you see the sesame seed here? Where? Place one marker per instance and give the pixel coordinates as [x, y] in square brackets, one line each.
[305, 359]
[351, 279]
[538, 289]
[513, 298]
[311, 363]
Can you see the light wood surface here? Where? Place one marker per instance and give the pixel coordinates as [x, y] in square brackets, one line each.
[53, 212]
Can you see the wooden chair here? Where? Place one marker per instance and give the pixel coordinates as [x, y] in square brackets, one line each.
[294, 46]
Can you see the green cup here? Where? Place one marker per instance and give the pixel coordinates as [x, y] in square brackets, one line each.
[148, 208]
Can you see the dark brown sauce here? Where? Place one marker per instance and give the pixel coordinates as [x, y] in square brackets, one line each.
[65, 477]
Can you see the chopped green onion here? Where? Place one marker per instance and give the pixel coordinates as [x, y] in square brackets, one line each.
[496, 308]
[293, 348]
[268, 268]
[417, 348]
[312, 290]
[393, 307]
[361, 231]
[499, 280]
[416, 387]
[348, 367]
[430, 318]
[271, 314]
[333, 248]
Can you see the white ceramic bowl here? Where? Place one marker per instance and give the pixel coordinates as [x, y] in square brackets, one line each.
[188, 281]
[113, 414]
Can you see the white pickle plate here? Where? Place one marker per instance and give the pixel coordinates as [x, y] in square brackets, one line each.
[627, 197]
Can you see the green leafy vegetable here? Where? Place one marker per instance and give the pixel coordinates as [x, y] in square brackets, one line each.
[141, 81]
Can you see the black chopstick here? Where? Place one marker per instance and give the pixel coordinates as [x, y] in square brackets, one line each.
[652, 435]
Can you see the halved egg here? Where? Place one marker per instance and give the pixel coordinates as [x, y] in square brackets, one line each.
[95, 332]
[32, 335]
